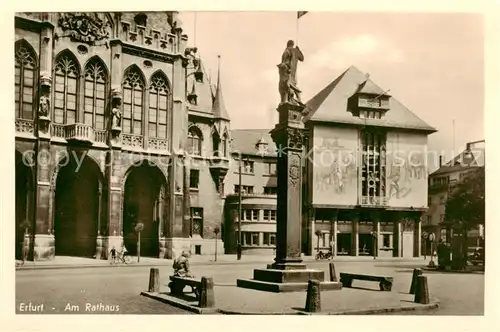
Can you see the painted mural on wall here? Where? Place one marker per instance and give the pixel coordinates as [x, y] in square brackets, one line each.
[334, 166]
[407, 170]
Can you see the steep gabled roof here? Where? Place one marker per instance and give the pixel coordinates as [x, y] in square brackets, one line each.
[244, 141]
[219, 107]
[331, 105]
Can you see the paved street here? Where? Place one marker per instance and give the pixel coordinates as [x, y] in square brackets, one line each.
[116, 289]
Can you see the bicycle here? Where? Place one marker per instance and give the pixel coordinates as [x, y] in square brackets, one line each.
[119, 258]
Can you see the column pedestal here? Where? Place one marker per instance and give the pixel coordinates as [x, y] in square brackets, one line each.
[288, 273]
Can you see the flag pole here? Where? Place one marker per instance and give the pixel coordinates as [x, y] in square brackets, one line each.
[296, 29]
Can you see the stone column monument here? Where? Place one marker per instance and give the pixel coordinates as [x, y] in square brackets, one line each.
[288, 273]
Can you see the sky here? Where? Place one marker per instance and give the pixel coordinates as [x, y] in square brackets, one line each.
[431, 62]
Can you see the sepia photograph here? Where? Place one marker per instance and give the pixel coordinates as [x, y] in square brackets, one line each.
[249, 163]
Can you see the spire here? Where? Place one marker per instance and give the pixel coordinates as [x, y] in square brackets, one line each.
[219, 108]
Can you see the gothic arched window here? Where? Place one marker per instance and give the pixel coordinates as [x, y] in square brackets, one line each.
[65, 89]
[194, 141]
[159, 91]
[216, 144]
[25, 81]
[95, 94]
[133, 103]
[224, 144]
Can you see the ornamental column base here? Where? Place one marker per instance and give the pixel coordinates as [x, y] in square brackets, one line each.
[44, 247]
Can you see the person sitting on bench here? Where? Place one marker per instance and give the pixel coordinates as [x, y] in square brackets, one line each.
[181, 266]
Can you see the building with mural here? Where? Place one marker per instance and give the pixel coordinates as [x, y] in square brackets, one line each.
[365, 187]
[118, 130]
[367, 170]
[441, 181]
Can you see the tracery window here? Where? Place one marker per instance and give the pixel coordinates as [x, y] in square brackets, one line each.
[158, 106]
[194, 141]
[24, 80]
[65, 89]
[133, 90]
[95, 94]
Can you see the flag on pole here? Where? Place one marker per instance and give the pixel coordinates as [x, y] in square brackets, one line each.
[300, 14]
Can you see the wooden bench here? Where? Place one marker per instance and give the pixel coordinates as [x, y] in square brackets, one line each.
[177, 285]
[385, 283]
[202, 288]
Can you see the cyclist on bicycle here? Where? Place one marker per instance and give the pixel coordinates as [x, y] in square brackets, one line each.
[124, 253]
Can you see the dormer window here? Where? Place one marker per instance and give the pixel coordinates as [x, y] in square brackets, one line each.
[369, 101]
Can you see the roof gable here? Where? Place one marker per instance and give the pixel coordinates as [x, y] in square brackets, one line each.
[331, 104]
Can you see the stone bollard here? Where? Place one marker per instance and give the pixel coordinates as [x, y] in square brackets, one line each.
[422, 291]
[207, 297]
[416, 273]
[333, 275]
[313, 300]
[154, 280]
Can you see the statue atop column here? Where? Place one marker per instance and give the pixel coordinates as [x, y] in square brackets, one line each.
[288, 89]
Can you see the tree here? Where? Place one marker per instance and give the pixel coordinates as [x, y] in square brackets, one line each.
[465, 207]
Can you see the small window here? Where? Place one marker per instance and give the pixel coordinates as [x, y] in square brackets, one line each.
[429, 219]
[255, 239]
[194, 179]
[255, 215]
[248, 166]
[267, 239]
[248, 239]
[270, 168]
[273, 239]
[270, 190]
[246, 189]
[386, 240]
[441, 217]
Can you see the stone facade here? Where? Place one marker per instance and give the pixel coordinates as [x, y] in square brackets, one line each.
[107, 137]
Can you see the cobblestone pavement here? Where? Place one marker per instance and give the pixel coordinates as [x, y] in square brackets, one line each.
[459, 294]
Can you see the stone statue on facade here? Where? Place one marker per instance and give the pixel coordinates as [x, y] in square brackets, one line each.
[116, 115]
[44, 107]
[181, 266]
[289, 92]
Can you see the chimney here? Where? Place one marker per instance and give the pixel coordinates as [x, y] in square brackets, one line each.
[440, 161]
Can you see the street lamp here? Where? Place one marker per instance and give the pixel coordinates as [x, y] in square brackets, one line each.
[425, 236]
[374, 236]
[432, 237]
[216, 231]
[238, 241]
[139, 227]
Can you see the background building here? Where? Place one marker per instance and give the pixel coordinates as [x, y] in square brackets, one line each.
[256, 151]
[106, 105]
[440, 183]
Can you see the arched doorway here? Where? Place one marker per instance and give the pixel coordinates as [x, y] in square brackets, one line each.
[143, 203]
[77, 208]
[24, 203]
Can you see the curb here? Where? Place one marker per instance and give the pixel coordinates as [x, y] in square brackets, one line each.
[165, 298]
[199, 263]
[179, 304]
[430, 269]
[414, 307]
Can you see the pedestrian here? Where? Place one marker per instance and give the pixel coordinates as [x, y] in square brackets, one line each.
[113, 253]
